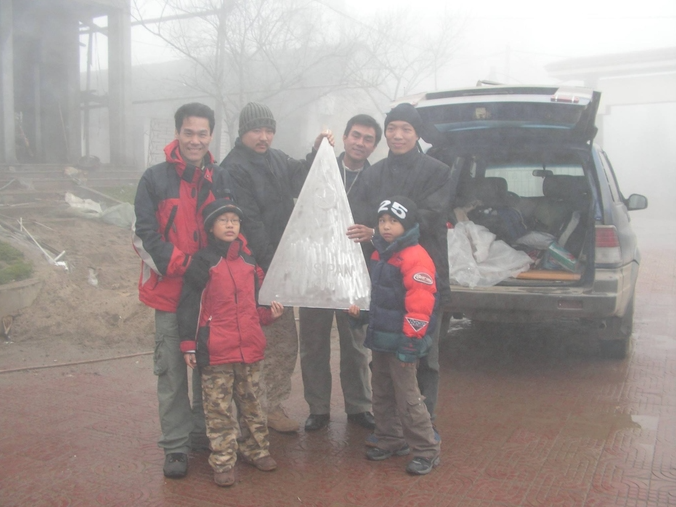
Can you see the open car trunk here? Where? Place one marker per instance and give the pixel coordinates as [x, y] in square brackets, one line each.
[537, 200]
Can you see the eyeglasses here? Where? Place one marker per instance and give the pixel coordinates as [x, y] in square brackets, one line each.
[233, 221]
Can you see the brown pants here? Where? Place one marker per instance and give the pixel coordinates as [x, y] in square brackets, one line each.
[398, 407]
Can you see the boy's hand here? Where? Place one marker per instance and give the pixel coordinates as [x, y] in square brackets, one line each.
[353, 311]
[326, 134]
[277, 309]
[190, 359]
[360, 233]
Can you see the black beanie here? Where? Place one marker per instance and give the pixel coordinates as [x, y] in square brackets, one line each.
[216, 208]
[405, 112]
[255, 115]
[402, 208]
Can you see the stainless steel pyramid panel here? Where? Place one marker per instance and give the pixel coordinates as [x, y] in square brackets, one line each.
[315, 264]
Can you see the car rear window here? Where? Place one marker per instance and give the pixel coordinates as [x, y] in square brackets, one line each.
[526, 180]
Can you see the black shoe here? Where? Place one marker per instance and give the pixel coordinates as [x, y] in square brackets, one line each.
[363, 419]
[421, 466]
[378, 454]
[175, 465]
[316, 422]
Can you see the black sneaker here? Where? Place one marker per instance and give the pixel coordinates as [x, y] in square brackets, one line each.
[421, 466]
[378, 454]
[175, 465]
[363, 419]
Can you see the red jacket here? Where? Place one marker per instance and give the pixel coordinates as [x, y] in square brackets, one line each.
[218, 316]
[168, 227]
[404, 297]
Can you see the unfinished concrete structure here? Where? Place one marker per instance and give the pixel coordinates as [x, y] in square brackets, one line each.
[42, 105]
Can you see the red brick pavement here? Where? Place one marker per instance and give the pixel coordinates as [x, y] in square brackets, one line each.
[533, 418]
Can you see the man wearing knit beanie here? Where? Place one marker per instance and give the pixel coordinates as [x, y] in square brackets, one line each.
[426, 181]
[254, 116]
[266, 182]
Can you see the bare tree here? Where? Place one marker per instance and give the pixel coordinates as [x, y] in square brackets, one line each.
[399, 52]
[243, 50]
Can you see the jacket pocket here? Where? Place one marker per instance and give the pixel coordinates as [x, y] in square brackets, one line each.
[170, 221]
[160, 363]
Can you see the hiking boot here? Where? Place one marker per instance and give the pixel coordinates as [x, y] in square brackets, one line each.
[422, 466]
[175, 465]
[363, 419]
[279, 421]
[265, 464]
[371, 440]
[378, 454]
[225, 478]
[317, 422]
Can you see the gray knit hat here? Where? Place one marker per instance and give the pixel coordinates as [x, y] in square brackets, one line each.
[255, 115]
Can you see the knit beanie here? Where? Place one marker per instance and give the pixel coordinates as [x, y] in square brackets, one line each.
[255, 115]
[216, 208]
[405, 112]
[402, 208]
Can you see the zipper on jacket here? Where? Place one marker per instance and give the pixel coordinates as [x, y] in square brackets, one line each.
[170, 222]
[234, 284]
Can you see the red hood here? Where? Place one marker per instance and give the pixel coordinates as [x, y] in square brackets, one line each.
[173, 154]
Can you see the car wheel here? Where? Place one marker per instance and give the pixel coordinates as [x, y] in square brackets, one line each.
[618, 334]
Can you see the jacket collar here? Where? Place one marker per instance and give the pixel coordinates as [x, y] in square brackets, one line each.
[186, 171]
[342, 156]
[405, 161]
[386, 250]
[231, 250]
[250, 154]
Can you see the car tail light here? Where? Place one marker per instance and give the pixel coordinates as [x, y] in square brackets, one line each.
[572, 95]
[607, 245]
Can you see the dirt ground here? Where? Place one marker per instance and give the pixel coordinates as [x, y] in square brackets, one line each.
[71, 319]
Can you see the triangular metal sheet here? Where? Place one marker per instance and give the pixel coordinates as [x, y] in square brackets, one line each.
[315, 264]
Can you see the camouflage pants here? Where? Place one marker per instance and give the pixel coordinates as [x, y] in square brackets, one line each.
[220, 385]
[280, 358]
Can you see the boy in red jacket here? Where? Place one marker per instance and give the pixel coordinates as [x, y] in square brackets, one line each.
[219, 324]
[400, 317]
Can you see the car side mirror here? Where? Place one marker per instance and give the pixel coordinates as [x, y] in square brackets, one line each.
[636, 202]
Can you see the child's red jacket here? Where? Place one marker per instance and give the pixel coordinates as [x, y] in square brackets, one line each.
[218, 316]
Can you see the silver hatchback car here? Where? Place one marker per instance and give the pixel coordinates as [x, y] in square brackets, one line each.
[526, 164]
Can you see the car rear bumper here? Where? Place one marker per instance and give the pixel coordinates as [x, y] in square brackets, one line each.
[607, 297]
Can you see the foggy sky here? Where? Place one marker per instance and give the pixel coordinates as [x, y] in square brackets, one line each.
[511, 42]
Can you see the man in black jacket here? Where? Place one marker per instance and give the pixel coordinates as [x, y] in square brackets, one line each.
[361, 137]
[426, 181]
[266, 182]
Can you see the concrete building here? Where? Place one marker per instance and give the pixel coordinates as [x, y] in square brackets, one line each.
[42, 106]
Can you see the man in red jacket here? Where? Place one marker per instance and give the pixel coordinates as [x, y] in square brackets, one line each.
[167, 232]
